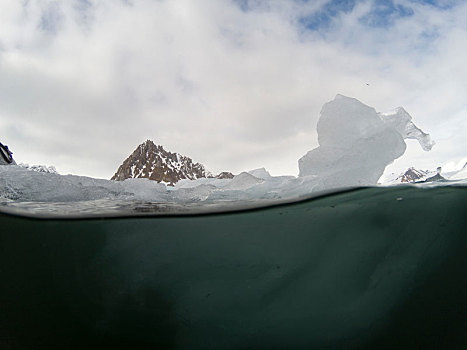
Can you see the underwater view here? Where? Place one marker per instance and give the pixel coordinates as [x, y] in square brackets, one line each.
[375, 267]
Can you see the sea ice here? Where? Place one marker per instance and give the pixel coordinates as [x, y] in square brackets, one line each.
[187, 183]
[21, 184]
[193, 194]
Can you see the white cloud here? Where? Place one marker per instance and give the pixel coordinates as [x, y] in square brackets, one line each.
[83, 83]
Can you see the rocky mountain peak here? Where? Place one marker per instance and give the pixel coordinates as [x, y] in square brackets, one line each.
[412, 175]
[153, 162]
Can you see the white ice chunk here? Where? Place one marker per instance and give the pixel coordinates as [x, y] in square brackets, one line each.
[243, 181]
[190, 194]
[400, 120]
[356, 144]
[260, 173]
[144, 189]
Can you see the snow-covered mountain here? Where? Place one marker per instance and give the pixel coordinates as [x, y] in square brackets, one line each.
[40, 168]
[412, 175]
[155, 163]
[415, 175]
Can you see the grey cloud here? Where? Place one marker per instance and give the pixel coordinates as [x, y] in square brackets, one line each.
[51, 18]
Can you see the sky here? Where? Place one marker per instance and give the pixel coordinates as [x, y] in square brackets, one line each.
[233, 84]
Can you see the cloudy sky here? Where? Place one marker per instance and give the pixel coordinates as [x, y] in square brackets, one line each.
[235, 85]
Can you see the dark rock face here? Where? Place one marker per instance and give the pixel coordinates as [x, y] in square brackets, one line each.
[155, 163]
[6, 156]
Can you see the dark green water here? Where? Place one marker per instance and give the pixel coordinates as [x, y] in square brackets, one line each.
[370, 268]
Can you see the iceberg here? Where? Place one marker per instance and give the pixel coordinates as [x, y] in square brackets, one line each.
[356, 143]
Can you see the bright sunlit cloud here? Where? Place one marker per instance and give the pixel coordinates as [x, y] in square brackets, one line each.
[235, 85]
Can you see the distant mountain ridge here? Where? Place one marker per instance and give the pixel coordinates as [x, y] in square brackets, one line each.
[412, 175]
[40, 168]
[153, 162]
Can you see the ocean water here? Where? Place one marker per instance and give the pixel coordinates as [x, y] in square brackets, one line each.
[378, 267]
